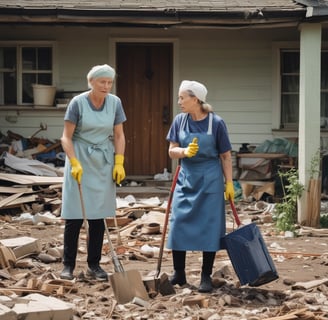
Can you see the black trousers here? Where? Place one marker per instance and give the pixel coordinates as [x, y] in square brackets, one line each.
[179, 261]
[71, 239]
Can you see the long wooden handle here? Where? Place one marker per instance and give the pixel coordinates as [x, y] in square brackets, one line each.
[85, 221]
[235, 214]
[116, 262]
[167, 213]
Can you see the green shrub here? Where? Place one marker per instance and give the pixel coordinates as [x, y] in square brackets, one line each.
[324, 221]
[285, 212]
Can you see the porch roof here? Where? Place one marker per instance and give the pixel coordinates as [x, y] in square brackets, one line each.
[161, 13]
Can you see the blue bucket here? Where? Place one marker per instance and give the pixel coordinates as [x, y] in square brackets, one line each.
[249, 256]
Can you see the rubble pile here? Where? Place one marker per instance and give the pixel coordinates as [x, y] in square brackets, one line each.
[31, 247]
[31, 251]
[32, 148]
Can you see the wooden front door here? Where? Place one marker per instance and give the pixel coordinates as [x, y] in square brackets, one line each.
[144, 84]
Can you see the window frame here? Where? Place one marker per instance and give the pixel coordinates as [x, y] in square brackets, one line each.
[277, 48]
[287, 93]
[18, 44]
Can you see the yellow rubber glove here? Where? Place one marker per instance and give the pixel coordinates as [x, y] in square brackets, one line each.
[76, 170]
[229, 191]
[118, 171]
[192, 148]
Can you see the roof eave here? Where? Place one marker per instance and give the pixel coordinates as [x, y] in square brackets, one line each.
[151, 18]
[319, 12]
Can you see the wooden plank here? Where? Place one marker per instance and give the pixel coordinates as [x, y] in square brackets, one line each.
[303, 254]
[309, 284]
[52, 200]
[314, 198]
[56, 186]
[290, 316]
[30, 179]
[17, 202]
[15, 190]
[308, 231]
[10, 199]
[20, 291]
[262, 155]
[120, 222]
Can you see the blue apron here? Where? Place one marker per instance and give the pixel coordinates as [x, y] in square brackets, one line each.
[95, 150]
[197, 221]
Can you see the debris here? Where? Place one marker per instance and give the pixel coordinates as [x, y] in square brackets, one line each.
[151, 228]
[165, 176]
[59, 287]
[7, 257]
[199, 300]
[121, 222]
[46, 218]
[10, 199]
[35, 167]
[309, 284]
[140, 302]
[308, 231]
[300, 314]
[30, 179]
[149, 251]
[46, 258]
[30, 207]
[23, 246]
[35, 306]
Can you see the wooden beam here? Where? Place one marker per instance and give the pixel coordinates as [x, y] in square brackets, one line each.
[10, 199]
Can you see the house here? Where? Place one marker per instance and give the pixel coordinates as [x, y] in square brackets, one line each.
[260, 61]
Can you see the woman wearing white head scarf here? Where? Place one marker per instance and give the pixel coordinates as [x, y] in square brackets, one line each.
[94, 142]
[199, 138]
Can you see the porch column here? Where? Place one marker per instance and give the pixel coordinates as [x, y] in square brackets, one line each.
[309, 105]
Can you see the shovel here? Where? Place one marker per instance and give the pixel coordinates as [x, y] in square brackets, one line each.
[85, 221]
[127, 285]
[162, 283]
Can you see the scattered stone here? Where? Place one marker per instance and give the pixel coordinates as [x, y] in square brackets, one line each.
[288, 281]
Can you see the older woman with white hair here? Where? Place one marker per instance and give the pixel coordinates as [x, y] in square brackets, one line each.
[199, 139]
[94, 142]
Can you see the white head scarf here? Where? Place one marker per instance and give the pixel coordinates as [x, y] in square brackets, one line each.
[100, 71]
[198, 89]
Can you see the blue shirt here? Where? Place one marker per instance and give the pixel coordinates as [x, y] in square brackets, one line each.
[73, 113]
[219, 130]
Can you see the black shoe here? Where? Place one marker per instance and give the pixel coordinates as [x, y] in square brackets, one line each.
[67, 273]
[205, 283]
[97, 273]
[179, 277]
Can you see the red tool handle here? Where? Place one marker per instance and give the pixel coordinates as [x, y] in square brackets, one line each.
[167, 213]
[235, 214]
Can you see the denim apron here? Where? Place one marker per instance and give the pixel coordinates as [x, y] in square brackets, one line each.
[197, 220]
[94, 148]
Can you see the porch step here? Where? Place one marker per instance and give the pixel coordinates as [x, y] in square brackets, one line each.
[144, 187]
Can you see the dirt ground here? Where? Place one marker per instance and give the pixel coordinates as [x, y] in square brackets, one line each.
[298, 259]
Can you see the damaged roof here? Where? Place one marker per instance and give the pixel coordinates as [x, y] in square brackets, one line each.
[157, 5]
[162, 13]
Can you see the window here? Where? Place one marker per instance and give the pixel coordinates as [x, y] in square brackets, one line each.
[22, 65]
[290, 72]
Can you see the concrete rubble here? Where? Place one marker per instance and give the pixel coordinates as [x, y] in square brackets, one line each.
[34, 307]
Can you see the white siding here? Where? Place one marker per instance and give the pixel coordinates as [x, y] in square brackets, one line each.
[237, 70]
[28, 122]
[236, 67]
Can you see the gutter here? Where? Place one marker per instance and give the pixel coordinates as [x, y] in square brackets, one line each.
[315, 8]
[162, 17]
[312, 12]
